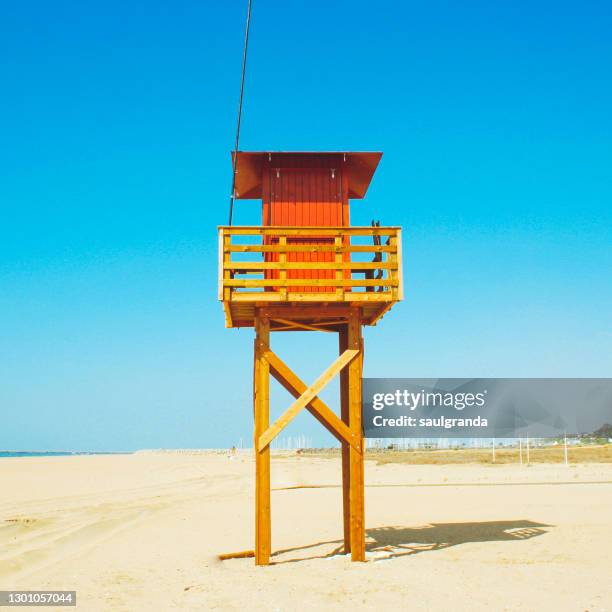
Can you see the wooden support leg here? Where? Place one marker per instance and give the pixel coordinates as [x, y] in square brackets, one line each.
[344, 415]
[356, 492]
[261, 393]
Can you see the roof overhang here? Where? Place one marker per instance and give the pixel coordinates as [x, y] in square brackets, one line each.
[360, 167]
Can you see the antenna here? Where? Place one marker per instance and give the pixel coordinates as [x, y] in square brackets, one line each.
[244, 60]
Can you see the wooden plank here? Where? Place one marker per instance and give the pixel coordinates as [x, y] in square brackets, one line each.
[221, 265]
[247, 228]
[299, 325]
[317, 407]
[246, 283]
[393, 260]
[310, 231]
[307, 248]
[305, 311]
[227, 239]
[305, 398]
[344, 414]
[263, 537]
[260, 296]
[255, 272]
[361, 296]
[308, 265]
[228, 314]
[400, 265]
[379, 314]
[356, 492]
[340, 264]
[282, 262]
[319, 324]
[243, 312]
[242, 554]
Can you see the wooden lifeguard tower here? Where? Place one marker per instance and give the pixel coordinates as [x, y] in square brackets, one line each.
[305, 268]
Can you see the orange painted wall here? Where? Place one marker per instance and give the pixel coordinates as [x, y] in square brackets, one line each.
[306, 192]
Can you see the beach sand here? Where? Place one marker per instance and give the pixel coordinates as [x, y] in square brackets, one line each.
[143, 531]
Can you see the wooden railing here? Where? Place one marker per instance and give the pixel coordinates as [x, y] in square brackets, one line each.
[275, 263]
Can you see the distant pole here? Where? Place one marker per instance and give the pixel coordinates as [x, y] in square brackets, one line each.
[521, 451]
[565, 448]
[493, 450]
[527, 450]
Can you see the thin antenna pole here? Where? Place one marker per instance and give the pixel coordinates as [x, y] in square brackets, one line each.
[235, 160]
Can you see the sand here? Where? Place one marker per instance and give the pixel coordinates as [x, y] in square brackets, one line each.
[143, 531]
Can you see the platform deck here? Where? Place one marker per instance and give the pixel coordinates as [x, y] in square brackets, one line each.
[308, 277]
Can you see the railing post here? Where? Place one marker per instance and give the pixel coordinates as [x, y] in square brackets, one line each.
[227, 257]
[338, 259]
[282, 260]
[392, 258]
[398, 270]
[221, 263]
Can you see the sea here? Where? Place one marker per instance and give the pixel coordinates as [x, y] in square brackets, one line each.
[55, 453]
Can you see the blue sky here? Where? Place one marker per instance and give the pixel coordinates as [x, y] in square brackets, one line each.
[117, 119]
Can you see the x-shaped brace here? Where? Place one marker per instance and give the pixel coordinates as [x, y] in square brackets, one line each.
[306, 397]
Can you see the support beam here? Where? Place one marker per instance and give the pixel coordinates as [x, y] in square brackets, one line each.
[261, 393]
[344, 414]
[305, 311]
[317, 407]
[307, 396]
[299, 325]
[347, 429]
[356, 493]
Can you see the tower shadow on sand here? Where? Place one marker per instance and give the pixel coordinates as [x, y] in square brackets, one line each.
[398, 541]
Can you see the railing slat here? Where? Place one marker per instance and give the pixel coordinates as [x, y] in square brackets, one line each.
[312, 232]
[270, 296]
[310, 265]
[307, 248]
[307, 282]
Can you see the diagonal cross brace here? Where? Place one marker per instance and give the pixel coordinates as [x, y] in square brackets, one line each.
[300, 325]
[317, 407]
[307, 396]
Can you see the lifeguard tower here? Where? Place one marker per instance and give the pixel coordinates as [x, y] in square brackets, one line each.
[305, 268]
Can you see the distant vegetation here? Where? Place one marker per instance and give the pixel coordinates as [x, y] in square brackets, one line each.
[605, 431]
[590, 453]
[548, 454]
